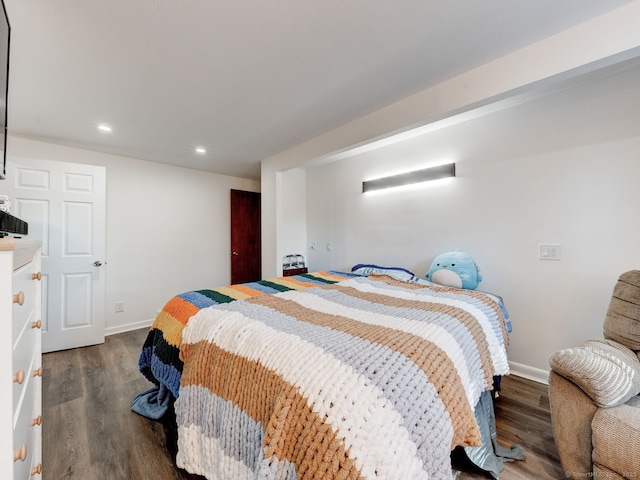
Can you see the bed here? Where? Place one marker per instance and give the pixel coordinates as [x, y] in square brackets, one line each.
[326, 375]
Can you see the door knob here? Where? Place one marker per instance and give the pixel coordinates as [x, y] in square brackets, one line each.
[97, 263]
[235, 253]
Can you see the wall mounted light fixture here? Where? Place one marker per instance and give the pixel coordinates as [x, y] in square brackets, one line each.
[409, 178]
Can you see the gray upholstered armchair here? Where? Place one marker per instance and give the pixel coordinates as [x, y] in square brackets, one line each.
[593, 391]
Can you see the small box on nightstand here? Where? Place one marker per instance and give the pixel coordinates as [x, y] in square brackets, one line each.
[294, 271]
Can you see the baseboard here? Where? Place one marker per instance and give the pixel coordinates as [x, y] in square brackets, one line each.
[128, 327]
[531, 373]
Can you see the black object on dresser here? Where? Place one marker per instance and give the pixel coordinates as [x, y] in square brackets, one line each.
[12, 225]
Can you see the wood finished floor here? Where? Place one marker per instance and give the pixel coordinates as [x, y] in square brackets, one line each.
[90, 433]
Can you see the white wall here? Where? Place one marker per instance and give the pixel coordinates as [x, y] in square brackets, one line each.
[294, 195]
[167, 229]
[563, 169]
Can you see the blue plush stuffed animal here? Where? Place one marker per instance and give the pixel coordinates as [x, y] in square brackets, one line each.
[455, 269]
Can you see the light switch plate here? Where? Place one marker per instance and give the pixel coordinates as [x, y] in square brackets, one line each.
[549, 251]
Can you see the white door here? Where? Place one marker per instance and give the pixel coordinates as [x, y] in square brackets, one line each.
[64, 206]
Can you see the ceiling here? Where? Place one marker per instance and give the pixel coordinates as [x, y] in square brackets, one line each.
[245, 79]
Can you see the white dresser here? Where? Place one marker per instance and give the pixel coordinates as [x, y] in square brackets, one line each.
[20, 359]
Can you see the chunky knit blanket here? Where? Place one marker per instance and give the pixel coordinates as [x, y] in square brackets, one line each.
[159, 359]
[367, 378]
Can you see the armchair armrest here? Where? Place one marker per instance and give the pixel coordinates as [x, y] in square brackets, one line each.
[572, 413]
[608, 372]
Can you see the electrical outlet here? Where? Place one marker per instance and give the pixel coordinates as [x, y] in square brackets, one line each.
[548, 251]
[119, 307]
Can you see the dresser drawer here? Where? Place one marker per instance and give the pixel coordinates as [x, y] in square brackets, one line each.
[24, 433]
[25, 359]
[24, 290]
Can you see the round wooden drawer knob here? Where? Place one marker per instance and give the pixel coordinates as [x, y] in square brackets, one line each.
[37, 470]
[36, 276]
[36, 421]
[20, 454]
[37, 373]
[37, 324]
[19, 298]
[18, 377]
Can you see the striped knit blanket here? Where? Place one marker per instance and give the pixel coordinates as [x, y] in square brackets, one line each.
[160, 360]
[367, 378]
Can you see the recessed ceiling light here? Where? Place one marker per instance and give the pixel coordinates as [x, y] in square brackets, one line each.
[103, 127]
[201, 150]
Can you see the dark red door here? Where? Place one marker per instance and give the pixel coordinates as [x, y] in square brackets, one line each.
[246, 258]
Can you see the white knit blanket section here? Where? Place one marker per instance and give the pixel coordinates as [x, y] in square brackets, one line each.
[427, 331]
[355, 408]
[498, 354]
[195, 452]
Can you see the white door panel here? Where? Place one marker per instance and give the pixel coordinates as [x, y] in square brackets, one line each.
[64, 205]
[37, 211]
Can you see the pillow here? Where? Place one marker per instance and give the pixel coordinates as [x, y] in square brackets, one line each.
[622, 322]
[395, 272]
[605, 370]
